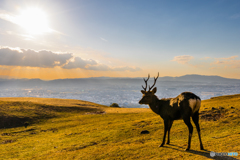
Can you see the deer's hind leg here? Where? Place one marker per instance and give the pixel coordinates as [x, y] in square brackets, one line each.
[195, 119]
[190, 128]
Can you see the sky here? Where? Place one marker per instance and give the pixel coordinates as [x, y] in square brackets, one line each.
[55, 39]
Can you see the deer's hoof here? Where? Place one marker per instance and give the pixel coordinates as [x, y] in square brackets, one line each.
[187, 149]
[202, 148]
[160, 145]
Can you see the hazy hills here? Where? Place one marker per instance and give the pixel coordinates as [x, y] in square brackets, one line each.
[185, 78]
[99, 80]
[199, 78]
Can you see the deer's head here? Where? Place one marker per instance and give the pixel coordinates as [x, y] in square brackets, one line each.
[149, 96]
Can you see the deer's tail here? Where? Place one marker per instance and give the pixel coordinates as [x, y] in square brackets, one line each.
[195, 104]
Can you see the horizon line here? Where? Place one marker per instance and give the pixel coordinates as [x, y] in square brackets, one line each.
[14, 78]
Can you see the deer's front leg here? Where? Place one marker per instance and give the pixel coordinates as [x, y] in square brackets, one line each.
[165, 132]
[169, 128]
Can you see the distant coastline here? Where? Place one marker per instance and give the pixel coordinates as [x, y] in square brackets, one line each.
[123, 91]
[186, 78]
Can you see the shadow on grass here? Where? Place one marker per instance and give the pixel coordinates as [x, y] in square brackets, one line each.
[18, 114]
[205, 153]
[13, 121]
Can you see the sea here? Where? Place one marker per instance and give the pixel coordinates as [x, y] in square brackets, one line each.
[125, 92]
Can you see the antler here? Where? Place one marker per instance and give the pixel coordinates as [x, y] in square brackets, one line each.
[155, 80]
[145, 89]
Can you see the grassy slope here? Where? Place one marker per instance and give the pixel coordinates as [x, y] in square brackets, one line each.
[73, 129]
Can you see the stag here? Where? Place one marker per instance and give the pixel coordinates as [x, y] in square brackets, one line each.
[183, 106]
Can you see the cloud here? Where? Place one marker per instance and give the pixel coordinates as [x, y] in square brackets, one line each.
[103, 39]
[93, 65]
[48, 59]
[184, 59]
[5, 68]
[127, 68]
[32, 58]
[229, 62]
[7, 17]
[98, 67]
[102, 67]
[79, 63]
[235, 16]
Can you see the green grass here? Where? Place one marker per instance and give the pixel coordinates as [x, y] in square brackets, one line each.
[72, 129]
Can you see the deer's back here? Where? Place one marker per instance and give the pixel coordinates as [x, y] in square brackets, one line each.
[184, 103]
[187, 100]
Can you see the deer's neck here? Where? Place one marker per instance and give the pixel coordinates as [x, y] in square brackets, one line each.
[155, 105]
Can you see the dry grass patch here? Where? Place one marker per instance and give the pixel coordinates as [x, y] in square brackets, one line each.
[73, 129]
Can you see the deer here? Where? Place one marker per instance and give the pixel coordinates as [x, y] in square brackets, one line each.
[184, 106]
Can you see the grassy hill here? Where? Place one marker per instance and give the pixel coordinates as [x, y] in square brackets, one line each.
[44, 128]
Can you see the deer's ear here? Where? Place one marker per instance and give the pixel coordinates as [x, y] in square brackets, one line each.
[154, 90]
[143, 92]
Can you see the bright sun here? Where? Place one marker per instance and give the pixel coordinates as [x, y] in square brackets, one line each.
[34, 21]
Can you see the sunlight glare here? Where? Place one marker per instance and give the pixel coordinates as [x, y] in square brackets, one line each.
[34, 21]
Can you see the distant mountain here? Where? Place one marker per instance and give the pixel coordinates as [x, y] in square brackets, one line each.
[99, 80]
[200, 78]
[185, 78]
